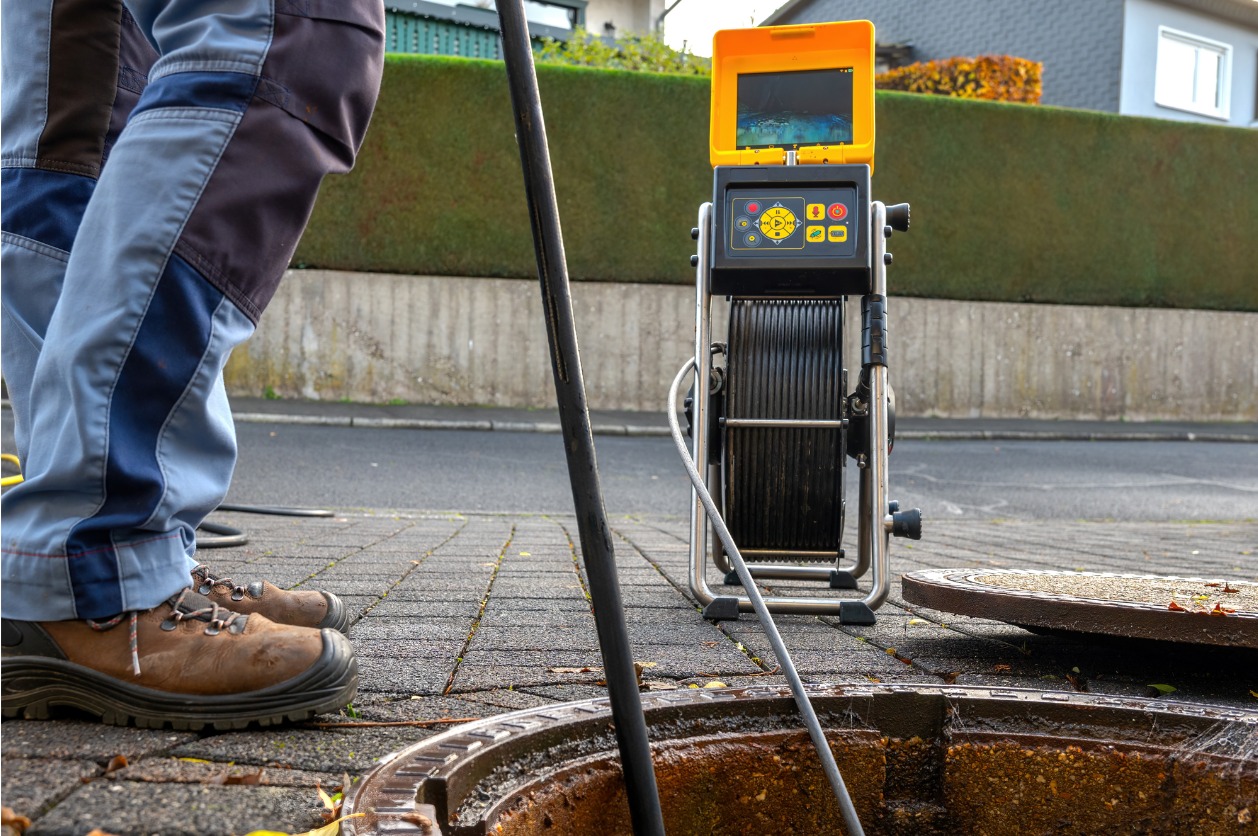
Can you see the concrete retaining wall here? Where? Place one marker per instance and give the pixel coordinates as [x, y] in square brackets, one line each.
[380, 338]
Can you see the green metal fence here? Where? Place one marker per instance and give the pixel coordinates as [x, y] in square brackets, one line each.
[429, 36]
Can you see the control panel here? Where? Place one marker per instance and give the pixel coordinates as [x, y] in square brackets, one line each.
[791, 230]
[807, 222]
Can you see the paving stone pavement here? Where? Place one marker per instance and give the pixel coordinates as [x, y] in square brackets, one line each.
[467, 616]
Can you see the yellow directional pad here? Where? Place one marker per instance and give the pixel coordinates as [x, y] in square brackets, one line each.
[777, 222]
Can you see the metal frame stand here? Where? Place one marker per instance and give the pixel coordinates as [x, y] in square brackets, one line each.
[875, 521]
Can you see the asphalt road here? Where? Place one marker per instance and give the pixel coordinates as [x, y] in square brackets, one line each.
[504, 471]
[313, 466]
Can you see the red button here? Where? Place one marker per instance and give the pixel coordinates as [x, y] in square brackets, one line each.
[838, 211]
[753, 207]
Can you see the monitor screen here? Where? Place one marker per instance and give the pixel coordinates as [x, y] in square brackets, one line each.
[793, 109]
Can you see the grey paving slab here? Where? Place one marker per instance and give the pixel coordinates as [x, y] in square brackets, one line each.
[344, 586]
[475, 677]
[73, 739]
[507, 699]
[497, 615]
[514, 636]
[33, 785]
[180, 810]
[440, 652]
[547, 660]
[390, 675]
[429, 712]
[421, 628]
[681, 661]
[333, 750]
[195, 771]
[421, 608]
[567, 692]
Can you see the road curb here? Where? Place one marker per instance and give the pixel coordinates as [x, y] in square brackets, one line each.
[640, 430]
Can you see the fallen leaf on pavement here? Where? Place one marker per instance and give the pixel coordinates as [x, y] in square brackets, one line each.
[1160, 690]
[332, 803]
[115, 763]
[332, 828]
[950, 677]
[227, 779]
[574, 670]
[1001, 668]
[11, 819]
[716, 683]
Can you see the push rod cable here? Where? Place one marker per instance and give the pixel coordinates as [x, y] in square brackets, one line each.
[815, 731]
[574, 418]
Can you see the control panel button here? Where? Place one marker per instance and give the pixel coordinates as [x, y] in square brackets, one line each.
[815, 234]
[816, 211]
[777, 222]
[753, 208]
[752, 239]
[837, 211]
[837, 234]
[742, 223]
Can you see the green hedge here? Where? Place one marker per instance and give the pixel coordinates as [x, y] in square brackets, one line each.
[1010, 202]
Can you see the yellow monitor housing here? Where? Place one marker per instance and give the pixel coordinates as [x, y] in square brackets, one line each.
[808, 89]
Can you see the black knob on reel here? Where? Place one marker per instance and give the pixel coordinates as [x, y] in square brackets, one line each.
[898, 217]
[905, 523]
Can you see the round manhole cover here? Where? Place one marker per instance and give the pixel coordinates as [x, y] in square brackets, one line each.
[1214, 611]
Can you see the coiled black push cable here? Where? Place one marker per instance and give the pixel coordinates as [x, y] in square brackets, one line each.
[762, 612]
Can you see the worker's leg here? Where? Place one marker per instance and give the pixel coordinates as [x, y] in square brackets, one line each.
[123, 417]
[127, 286]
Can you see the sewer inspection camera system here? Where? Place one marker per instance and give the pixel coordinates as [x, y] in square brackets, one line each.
[790, 234]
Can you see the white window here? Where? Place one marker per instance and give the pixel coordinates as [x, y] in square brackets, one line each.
[1193, 73]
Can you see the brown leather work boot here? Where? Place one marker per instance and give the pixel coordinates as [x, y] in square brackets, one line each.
[304, 608]
[186, 664]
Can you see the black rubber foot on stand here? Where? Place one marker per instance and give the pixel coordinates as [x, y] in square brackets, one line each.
[722, 608]
[855, 612]
[842, 579]
[732, 579]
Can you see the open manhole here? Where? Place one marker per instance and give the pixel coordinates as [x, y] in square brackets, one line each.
[1190, 610]
[916, 759]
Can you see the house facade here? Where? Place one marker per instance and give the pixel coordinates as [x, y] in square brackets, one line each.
[1194, 60]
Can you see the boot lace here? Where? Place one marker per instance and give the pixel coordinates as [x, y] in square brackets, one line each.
[132, 641]
[209, 581]
[217, 617]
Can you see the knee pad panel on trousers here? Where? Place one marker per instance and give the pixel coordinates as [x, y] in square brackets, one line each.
[318, 88]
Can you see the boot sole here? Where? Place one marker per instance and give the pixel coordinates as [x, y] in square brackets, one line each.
[38, 687]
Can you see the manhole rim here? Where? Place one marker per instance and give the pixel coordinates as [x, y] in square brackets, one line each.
[417, 763]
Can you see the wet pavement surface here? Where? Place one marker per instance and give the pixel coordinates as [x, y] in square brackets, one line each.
[463, 616]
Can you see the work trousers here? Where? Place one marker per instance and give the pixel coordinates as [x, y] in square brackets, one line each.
[160, 160]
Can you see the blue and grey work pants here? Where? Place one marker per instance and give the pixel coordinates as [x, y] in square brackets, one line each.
[160, 160]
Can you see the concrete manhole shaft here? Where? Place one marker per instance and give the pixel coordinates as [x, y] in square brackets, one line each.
[917, 759]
